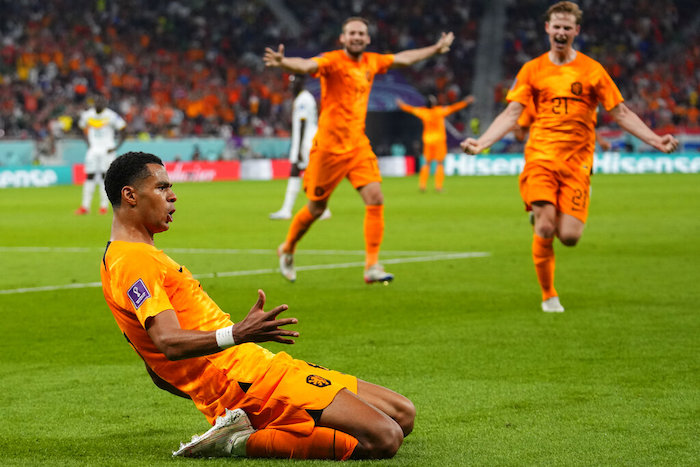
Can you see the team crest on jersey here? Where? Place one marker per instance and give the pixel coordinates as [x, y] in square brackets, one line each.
[576, 88]
[318, 381]
[138, 293]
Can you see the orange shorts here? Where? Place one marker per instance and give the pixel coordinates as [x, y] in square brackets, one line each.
[435, 151]
[327, 169]
[292, 394]
[564, 184]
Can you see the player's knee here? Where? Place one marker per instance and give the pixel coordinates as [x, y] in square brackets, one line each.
[545, 229]
[569, 239]
[386, 441]
[405, 415]
[317, 208]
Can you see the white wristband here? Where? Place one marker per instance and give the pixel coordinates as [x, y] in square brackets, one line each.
[224, 337]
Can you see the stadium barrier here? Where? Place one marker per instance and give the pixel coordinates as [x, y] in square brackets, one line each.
[604, 163]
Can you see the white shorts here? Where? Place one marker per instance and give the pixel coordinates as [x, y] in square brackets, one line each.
[97, 160]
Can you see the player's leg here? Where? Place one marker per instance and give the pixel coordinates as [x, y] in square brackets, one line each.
[291, 193]
[91, 168]
[424, 172]
[439, 151]
[365, 177]
[323, 174]
[569, 229]
[367, 417]
[539, 188]
[105, 160]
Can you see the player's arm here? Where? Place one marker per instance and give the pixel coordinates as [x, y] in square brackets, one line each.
[403, 106]
[630, 122]
[604, 144]
[276, 59]
[121, 136]
[504, 123]
[459, 105]
[258, 326]
[164, 385]
[409, 57]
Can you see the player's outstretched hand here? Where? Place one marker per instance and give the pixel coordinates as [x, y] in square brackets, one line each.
[445, 42]
[667, 144]
[471, 146]
[469, 100]
[274, 58]
[263, 326]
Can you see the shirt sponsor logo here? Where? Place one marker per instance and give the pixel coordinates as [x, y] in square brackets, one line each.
[138, 293]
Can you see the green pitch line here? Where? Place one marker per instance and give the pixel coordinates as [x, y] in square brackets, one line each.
[252, 272]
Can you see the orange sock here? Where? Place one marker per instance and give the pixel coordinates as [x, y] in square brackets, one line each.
[322, 443]
[543, 257]
[374, 232]
[423, 176]
[300, 224]
[439, 176]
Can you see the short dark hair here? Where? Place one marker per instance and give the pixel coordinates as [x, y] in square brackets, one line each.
[125, 170]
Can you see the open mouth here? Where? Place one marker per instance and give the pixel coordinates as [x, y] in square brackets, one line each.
[170, 216]
[560, 40]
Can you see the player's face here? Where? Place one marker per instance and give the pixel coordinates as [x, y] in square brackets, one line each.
[156, 200]
[355, 38]
[562, 30]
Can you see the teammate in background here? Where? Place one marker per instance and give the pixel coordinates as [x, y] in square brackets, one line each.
[566, 87]
[304, 125]
[104, 132]
[341, 147]
[261, 404]
[434, 137]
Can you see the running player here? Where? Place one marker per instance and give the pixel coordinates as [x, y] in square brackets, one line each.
[566, 87]
[341, 147]
[260, 404]
[434, 137]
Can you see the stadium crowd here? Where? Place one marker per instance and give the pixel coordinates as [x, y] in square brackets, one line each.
[194, 68]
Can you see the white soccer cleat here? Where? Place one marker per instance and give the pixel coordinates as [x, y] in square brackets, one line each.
[552, 305]
[226, 438]
[376, 273]
[326, 215]
[287, 265]
[281, 215]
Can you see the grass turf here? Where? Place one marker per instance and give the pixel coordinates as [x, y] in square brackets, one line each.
[613, 380]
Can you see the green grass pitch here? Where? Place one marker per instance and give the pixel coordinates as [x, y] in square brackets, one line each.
[615, 380]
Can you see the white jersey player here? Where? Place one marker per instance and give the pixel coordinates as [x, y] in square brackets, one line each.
[103, 130]
[304, 125]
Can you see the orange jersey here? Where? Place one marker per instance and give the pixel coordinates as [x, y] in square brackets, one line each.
[140, 281]
[433, 119]
[345, 88]
[565, 98]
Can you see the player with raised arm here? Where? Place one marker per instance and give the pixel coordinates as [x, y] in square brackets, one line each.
[304, 125]
[341, 148]
[566, 87]
[104, 132]
[434, 136]
[259, 403]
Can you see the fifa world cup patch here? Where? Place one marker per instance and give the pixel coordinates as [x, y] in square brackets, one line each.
[138, 293]
[318, 381]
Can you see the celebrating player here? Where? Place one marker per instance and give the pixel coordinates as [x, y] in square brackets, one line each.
[434, 137]
[566, 87]
[341, 148]
[261, 404]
